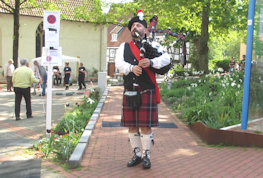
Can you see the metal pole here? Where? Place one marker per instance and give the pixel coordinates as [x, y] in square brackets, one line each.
[250, 27]
[49, 101]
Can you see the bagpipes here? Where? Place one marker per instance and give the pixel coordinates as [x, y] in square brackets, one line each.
[152, 29]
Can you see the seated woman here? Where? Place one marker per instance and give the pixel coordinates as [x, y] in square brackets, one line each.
[57, 75]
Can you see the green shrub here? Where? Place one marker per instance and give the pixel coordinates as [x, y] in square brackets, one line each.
[218, 63]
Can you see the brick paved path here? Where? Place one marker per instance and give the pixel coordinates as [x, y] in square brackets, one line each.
[176, 153]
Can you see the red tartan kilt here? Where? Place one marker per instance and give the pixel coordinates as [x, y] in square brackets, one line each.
[145, 116]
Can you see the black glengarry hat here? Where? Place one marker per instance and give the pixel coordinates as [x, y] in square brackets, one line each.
[138, 18]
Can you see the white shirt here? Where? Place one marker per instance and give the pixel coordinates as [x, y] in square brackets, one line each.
[125, 67]
[9, 70]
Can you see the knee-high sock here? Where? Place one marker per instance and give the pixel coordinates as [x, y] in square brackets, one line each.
[146, 144]
[135, 142]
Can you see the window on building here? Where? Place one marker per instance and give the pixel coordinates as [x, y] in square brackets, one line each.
[112, 53]
[114, 37]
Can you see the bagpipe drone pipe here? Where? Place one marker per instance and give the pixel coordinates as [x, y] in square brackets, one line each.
[180, 37]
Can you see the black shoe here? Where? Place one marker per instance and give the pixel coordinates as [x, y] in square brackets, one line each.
[18, 118]
[79, 88]
[134, 161]
[29, 117]
[41, 94]
[146, 162]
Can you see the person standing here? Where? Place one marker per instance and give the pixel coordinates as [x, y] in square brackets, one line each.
[243, 61]
[81, 77]
[232, 65]
[67, 71]
[22, 79]
[140, 71]
[43, 74]
[8, 73]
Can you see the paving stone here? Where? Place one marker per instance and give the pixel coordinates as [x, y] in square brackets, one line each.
[16, 142]
[94, 116]
[85, 136]
[69, 94]
[102, 101]
[90, 125]
[100, 105]
[97, 110]
[59, 93]
[77, 155]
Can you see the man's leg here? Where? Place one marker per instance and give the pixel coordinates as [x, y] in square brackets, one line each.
[146, 138]
[66, 81]
[134, 136]
[8, 83]
[17, 101]
[80, 86]
[82, 81]
[27, 97]
[44, 85]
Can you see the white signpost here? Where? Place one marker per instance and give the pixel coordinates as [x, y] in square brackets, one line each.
[51, 56]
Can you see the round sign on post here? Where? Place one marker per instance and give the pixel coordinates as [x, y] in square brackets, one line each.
[48, 58]
[51, 19]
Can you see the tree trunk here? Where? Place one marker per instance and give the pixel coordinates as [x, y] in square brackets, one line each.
[202, 48]
[16, 33]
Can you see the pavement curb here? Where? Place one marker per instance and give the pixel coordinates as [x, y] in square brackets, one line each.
[77, 155]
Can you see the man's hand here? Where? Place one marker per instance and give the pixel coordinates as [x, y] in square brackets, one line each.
[5, 77]
[137, 70]
[40, 81]
[144, 63]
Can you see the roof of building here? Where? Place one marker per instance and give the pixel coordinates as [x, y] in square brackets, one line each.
[125, 36]
[68, 9]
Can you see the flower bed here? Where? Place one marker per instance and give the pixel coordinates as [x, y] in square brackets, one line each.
[68, 131]
[214, 99]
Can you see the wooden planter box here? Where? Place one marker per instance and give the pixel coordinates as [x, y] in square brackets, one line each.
[230, 137]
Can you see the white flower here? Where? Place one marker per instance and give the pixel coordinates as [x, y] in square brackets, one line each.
[189, 88]
[194, 84]
[186, 74]
[238, 86]
[227, 84]
[223, 85]
[233, 84]
[210, 93]
[90, 101]
[220, 70]
[204, 81]
[240, 80]
[231, 79]
[199, 81]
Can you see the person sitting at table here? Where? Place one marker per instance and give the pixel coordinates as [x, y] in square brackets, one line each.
[57, 75]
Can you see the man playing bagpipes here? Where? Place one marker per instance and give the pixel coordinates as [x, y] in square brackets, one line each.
[139, 61]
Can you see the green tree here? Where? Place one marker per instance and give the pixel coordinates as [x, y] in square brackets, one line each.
[225, 47]
[202, 19]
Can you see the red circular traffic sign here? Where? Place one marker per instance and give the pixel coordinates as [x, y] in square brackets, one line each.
[51, 19]
[48, 58]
